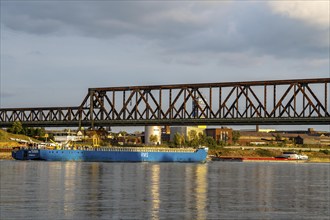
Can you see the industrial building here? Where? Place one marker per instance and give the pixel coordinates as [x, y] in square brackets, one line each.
[224, 135]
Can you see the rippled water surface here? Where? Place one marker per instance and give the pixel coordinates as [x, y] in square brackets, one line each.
[215, 190]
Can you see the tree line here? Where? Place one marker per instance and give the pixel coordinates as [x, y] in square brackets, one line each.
[18, 128]
[195, 139]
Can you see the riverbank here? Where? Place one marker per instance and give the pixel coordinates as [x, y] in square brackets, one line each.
[5, 156]
[314, 156]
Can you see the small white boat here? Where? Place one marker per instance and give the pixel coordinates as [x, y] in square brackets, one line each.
[294, 155]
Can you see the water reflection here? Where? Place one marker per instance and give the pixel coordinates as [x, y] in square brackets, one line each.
[201, 191]
[189, 188]
[58, 190]
[264, 180]
[155, 174]
[107, 189]
[69, 190]
[183, 190]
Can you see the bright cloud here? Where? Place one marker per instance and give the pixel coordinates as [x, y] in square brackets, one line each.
[313, 12]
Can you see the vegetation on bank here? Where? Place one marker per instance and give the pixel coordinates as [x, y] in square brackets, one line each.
[8, 139]
[37, 133]
[224, 152]
[195, 139]
[314, 156]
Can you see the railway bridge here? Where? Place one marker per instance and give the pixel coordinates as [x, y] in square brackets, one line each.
[281, 102]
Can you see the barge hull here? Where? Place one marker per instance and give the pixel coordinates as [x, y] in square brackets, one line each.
[198, 155]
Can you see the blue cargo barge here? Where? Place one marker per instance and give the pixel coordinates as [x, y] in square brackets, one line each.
[114, 154]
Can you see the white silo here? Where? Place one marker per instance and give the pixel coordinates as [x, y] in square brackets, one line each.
[152, 135]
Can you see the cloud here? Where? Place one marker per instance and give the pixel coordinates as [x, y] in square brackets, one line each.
[182, 27]
[220, 33]
[105, 19]
[250, 29]
[313, 12]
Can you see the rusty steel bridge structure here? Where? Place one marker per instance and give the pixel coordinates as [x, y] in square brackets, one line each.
[277, 102]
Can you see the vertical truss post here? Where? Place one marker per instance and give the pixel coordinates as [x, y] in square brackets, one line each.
[210, 101]
[184, 103]
[326, 98]
[125, 107]
[114, 105]
[236, 103]
[274, 94]
[304, 104]
[265, 100]
[91, 108]
[170, 104]
[136, 105]
[146, 92]
[220, 101]
[101, 95]
[160, 104]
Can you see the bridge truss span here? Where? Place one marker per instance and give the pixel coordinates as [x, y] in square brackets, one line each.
[239, 103]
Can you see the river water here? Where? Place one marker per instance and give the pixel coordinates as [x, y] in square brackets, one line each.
[215, 190]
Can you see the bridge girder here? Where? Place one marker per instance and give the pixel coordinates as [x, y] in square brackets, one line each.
[284, 102]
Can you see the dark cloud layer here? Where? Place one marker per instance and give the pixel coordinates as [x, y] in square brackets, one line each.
[177, 27]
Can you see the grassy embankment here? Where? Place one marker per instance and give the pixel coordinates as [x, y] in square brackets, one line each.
[7, 143]
[314, 156]
[324, 156]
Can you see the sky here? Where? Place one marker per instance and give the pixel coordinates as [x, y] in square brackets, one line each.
[52, 51]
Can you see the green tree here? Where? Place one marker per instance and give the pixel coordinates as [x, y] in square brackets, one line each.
[153, 138]
[16, 128]
[178, 139]
[201, 138]
[193, 139]
[192, 134]
[40, 133]
[236, 136]
[27, 131]
[204, 140]
[221, 143]
[210, 142]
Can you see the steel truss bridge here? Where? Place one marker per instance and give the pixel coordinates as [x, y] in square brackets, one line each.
[283, 102]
